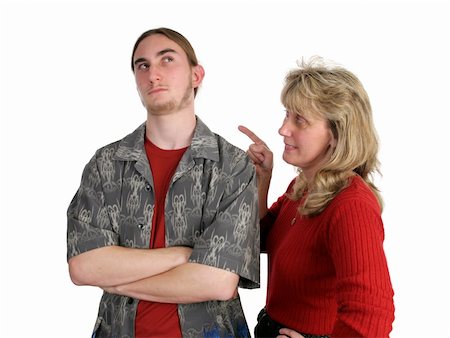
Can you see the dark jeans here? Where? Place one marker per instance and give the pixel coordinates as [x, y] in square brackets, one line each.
[268, 328]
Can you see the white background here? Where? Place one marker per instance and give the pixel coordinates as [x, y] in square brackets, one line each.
[67, 89]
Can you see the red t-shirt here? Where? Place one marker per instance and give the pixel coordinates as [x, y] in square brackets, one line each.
[159, 319]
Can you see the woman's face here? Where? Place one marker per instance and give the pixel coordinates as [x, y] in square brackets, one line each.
[308, 142]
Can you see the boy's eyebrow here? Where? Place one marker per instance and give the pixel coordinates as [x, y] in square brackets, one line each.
[167, 50]
[162, 52]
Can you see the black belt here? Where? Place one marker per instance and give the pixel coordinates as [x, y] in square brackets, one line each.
[268, 328]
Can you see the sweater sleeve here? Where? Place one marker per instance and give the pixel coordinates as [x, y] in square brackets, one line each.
[364, 292]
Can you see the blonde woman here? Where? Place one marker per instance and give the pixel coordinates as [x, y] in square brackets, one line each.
[327, 274]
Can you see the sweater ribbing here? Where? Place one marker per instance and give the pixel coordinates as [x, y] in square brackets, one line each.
[328, 273]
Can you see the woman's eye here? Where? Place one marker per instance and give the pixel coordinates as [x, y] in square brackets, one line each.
[300, 120]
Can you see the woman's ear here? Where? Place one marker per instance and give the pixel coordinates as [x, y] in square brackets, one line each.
[333, 140]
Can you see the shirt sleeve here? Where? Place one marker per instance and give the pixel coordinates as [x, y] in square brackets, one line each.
[231, 241]
[88, 224]
[364, 290]
[269, 219]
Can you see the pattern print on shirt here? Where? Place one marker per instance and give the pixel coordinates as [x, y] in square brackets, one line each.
[134, 198]
[240, 228]
[216, 245]
[107, 169]
[247, 259]
[197, 196]
[102, 217]
[114, 215]
[179, 214]
[215, 176]
[211, 193]
[85, 216]
[203, 145]
[147, 220]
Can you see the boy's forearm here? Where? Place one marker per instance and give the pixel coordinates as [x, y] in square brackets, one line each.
[187, 283]
[115, 265]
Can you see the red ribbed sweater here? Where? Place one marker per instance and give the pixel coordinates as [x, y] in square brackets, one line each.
[328, 274]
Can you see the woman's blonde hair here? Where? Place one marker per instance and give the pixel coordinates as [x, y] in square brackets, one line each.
[324, 90]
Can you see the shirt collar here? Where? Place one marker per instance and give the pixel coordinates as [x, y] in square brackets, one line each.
[204, 144]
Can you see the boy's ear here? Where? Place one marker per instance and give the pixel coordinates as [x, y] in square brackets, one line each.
[198, 73]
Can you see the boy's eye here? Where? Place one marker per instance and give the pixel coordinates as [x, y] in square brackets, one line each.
[143, 66]
[167, 59]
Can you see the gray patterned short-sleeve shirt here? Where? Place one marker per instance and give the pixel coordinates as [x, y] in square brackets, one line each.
[211, 206]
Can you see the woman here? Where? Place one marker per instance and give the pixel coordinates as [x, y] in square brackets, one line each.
[327, 273]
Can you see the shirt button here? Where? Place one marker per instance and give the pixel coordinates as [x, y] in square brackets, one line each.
[147, 186]
[141, 226]
[130, 300]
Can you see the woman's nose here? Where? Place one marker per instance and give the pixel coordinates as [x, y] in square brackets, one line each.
[284, 129]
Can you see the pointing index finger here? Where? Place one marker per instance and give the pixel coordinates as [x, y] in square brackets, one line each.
[250, 134]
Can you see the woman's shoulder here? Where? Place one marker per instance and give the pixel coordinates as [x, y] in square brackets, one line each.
[357, 192]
